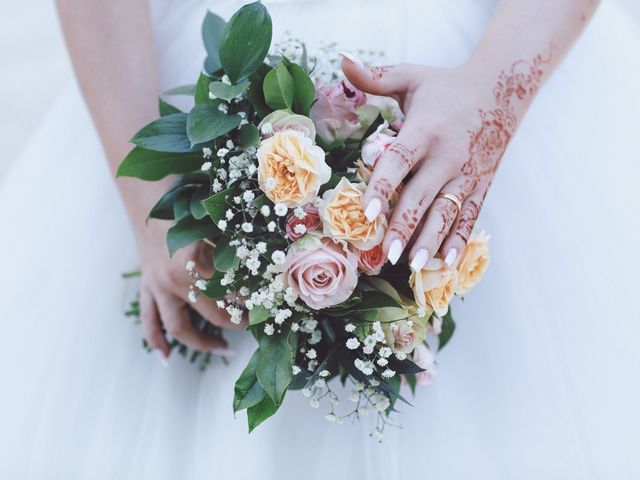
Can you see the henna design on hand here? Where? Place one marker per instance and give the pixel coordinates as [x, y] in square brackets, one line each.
[378, 72]
[467, 219]
[383, 188]
[406, 157]
[448, 212]
[404, 228]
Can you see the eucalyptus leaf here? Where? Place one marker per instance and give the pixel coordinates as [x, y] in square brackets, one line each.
[247, 390]
[207, 122]
[167, 134]
[228, 92]
[275, 365]
[260, 412]
[448, 327]
[212, 29]
[258, 314]
[150, 165]
[245, 41]
[278, 88]
[224, 255]
[187, 231]
[249, 135]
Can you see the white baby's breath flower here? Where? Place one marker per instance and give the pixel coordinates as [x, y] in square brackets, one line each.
[220, 304]
[300, 229]
[192, 296]
[201, 284]
[206, 166]
[401, 356]
[191, 265]
[388, 373]
[314, 402]
[295, 327]
[228, 214]
[247, 227]
[271, 226]
[207, 152]
[306, 392]
[278, 257]
[222, 152]
[280, 209]
[295, 370]
[229, 144]
[299, 213]
[222, 225]
[330, 417]
[324, 373]
[225, 79]
[382, 362]
[267, 129]
[248, 196]
[268, 329]
[223, 107]
[261, 247]
[311, 353]
[349, 327]
[354, 396]
[265, 210]
[352, 343]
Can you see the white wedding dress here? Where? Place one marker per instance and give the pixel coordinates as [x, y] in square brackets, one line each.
[541, 380]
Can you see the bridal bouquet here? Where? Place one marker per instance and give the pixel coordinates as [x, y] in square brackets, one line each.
[272, 163]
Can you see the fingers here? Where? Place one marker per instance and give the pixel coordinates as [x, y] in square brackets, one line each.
[394, 165]
[152, 327]
[217, 316]
[176, 318]
[414, 202]
[439, 220]
[389, 80]
[461, 229]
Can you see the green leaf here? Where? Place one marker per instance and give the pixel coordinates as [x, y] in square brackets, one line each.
[448, 327]
[256, 92]
[181, 205]
[258, 314]
[164, 209]
[197, 209]
[228, 92]
[187, 231]
[275, 365]
[183, 90]
[167, 134]
[278, 88]
[150, 165]
[215, 289]
[166, 108]
[303, 90]
[207, 122]
[411, 381]
[224, 256]
[260, 412]
[201, 92]
[249, 135]
[247, 390]
[212, 29]
[217, 204]
[245, 41]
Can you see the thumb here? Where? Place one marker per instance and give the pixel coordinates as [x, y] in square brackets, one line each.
[390, 80]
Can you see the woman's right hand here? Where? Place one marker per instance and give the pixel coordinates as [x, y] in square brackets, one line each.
[164, 288]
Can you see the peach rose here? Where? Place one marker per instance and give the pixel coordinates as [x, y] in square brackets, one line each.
[434, 286]
[311, 222]
[343, 217]
[371, 261]
[423, 357]
[322, 276]
[291, 168]
[472, 263]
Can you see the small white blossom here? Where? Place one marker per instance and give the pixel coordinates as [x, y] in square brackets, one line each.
[324, 373]
[267, 129]
[248, 196]
[271, 226]
[192, 296]
[225, 79]
[253, 264]
[206, 166]
[278, 257]
[295, 370]
[382, 362]
[388, 373]
[354, 396]
[207, 152]
[268, 329]
[349, 327]
[229, 144]
[191, 265]
[314, 402]
[201, 284]
[306, 392]
[401, 356]
[281, 209]
[311, 353]
[222, 225]
[300, 229]
[228, 214]
[299, 213]
[261, 247]
[265, 210]
[247, 227]
[353, 343]
[295, 327]
[220, 304]
[237, 199]
[223, 107]
[222, 152]
[330, 417]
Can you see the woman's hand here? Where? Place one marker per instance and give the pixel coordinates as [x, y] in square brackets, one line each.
[164, 303]
[457, 126]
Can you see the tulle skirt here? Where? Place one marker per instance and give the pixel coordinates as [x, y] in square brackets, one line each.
[540, 380]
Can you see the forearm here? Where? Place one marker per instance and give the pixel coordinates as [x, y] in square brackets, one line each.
[113, 54]
[528, 33]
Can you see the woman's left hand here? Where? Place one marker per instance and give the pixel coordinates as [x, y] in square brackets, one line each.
[457, 125]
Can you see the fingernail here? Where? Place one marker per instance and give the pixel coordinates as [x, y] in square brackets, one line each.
[353, 58]
[223, 352]
[419, 260]
[452, 254]
[164, 360]
[394, 251]
[373, 209]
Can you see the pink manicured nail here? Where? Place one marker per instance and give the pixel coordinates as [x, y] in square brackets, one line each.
[452, 254]
[353, 58]
[162, 358]
[419, 260]
[395, 250]
[373, 209]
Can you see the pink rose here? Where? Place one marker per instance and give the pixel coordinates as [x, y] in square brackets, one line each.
[334, 111]
[375, 144]
[404, 338]
[322, 276]
[310, 222]
[371, 261]
[423, 357]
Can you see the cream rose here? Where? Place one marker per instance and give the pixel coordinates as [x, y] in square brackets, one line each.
[291, 168]
[343, 217]
[473, 263]
[403, 336]
[434, 286]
